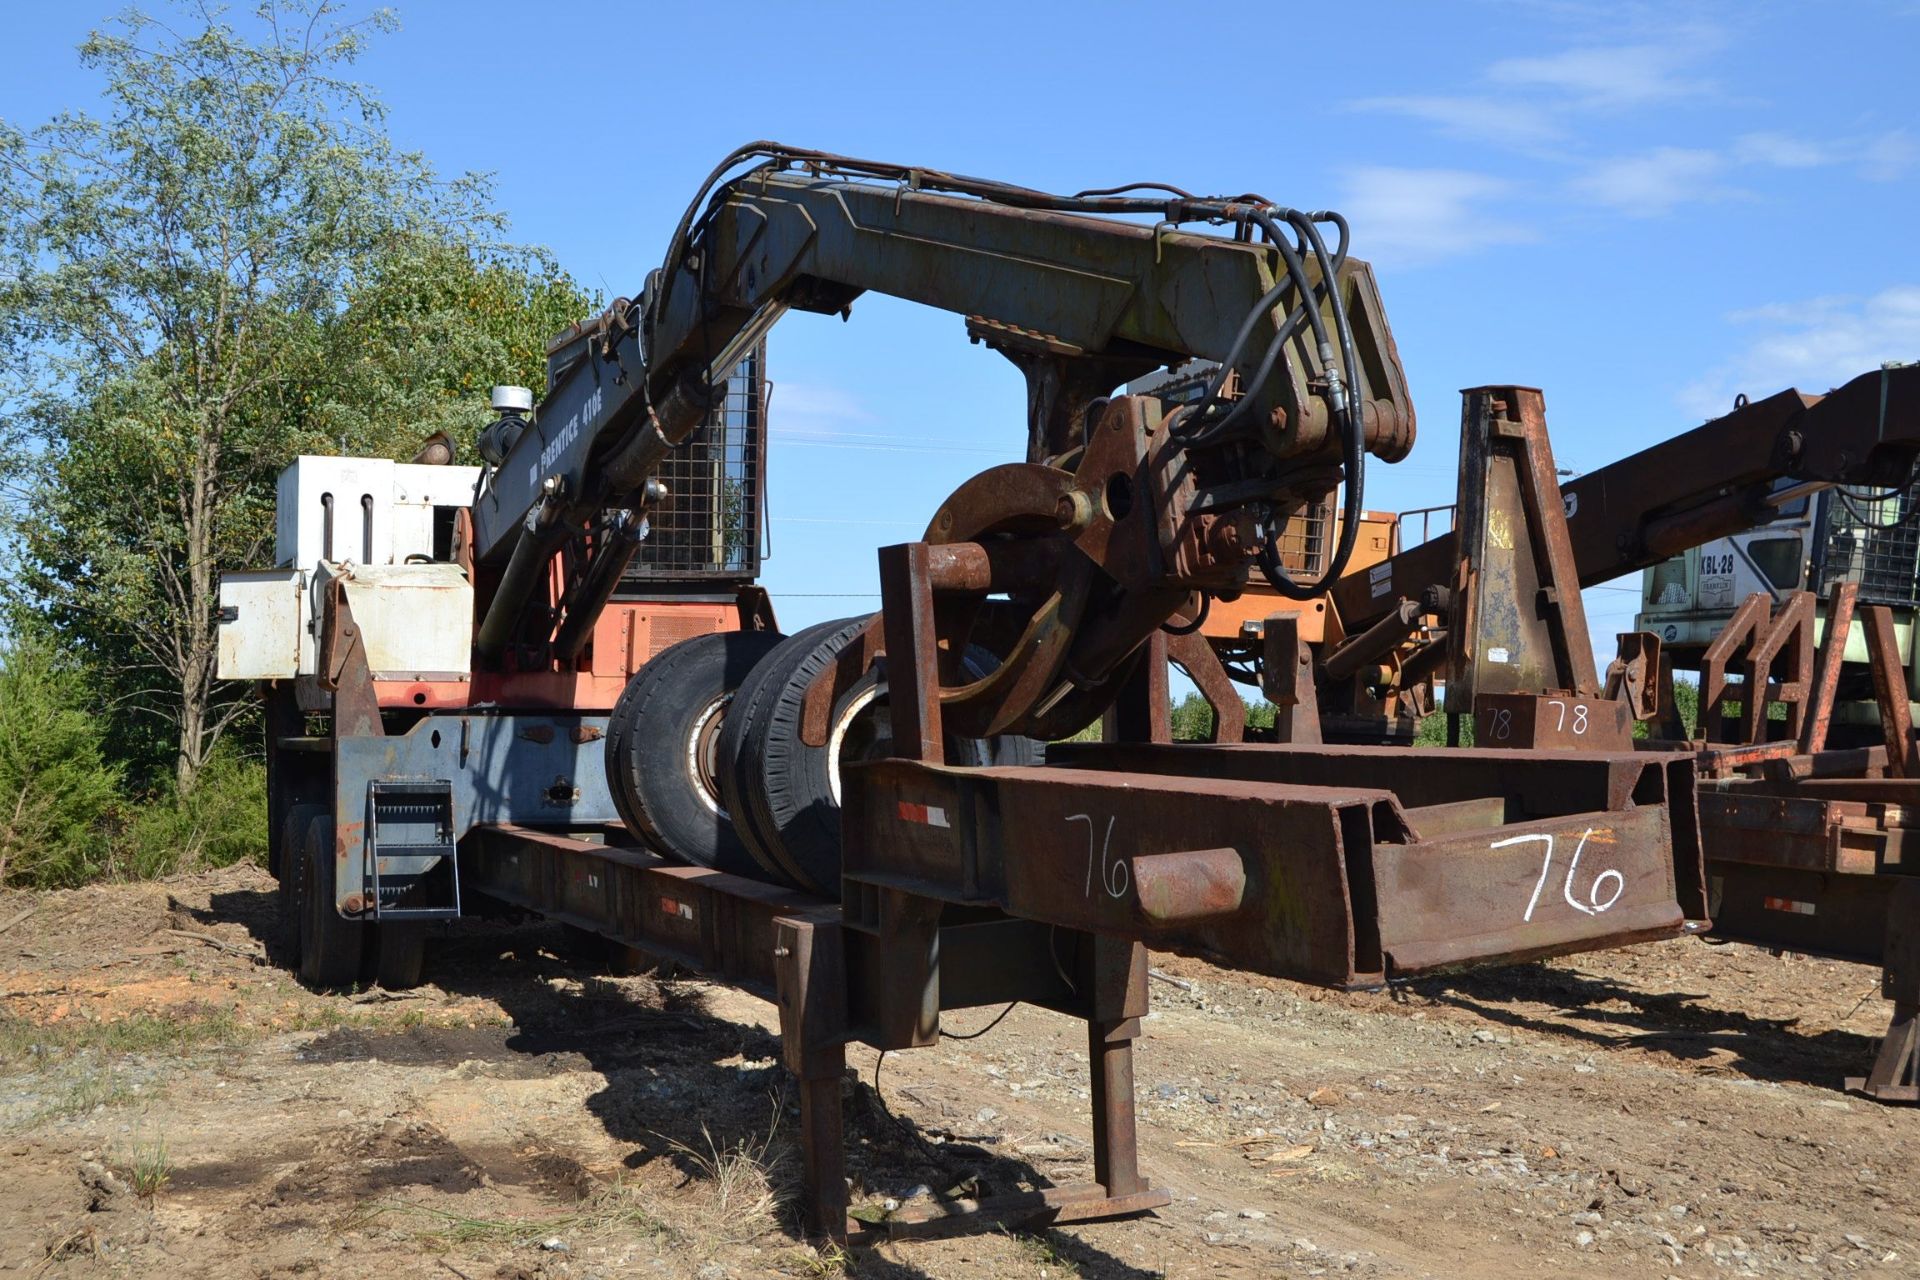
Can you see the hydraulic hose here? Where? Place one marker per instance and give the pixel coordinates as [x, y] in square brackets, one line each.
[1353, 442]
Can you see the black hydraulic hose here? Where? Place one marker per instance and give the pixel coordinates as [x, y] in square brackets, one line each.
[1267, 302]
[1308, 309]
[677, 243]
[1342, 324]
[1132, 186]
[1848, 500]
[1347, 409]
[1198, 620]
[1298, 270]
[1282, 336]
[1208, 432]
[1356, 409]
[1340, 225]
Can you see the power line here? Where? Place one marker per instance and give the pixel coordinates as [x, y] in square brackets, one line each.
[786, 441]
[834, 433]
[885, 524]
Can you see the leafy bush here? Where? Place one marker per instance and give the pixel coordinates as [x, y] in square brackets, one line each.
[223, 820]
[1432, 731]
[1686, 696]
[1192, 719]
[57, 789]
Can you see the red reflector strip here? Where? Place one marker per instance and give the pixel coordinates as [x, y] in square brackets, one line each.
[673, 907]
[930, 815]
[1788, 904]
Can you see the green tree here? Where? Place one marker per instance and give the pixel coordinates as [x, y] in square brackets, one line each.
[56, 786]
[1686, 696]
[1191, 719]
[233, 266]
[426, 330]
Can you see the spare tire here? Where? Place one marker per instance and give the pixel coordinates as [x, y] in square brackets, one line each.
[741, 770]
[786, 791]
[662, 748]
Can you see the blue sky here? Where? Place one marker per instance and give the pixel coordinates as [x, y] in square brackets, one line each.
[1641, 209]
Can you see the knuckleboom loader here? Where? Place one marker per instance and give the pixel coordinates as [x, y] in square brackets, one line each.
[550, 681]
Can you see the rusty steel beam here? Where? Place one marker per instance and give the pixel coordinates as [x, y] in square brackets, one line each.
[1286, 677]
[1895, 1076]
[1526, 785]
[1740, 633]
[1531, 784]
[1193, 655]
[1890, 688]
[1324, 883]
[1633, 677]
[1826, 867]
[706, 920]
[1827, 664]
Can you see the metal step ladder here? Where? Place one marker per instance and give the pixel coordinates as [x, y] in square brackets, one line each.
[413, 872]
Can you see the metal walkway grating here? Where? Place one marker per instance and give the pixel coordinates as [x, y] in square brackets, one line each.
[709, 526]
[1885, 561]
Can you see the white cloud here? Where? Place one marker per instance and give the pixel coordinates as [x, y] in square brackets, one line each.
[1526, 102]
[1404, 217]
[1805, 312]
[1781, 150]
[1617, 76]
[1474, 119]
[1812, 345]
[1653, 182]
[1539, 103]
[801, 404]
[1888, 156]
[1881, 158]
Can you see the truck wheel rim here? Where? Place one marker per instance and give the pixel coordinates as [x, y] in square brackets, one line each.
[855, 731]
[703, 753]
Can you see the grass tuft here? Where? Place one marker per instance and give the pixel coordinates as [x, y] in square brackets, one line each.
[151, 1170]
[744, 1187]
[821, 1260]
[1043, 1249]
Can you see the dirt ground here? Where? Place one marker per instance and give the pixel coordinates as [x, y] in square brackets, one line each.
[172, 1103]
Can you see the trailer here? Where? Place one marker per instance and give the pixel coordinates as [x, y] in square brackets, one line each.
[1804, 819]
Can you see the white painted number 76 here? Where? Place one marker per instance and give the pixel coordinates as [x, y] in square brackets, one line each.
[1113, 875]
[1592, 906]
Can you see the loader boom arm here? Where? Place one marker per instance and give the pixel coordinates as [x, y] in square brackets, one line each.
[1080, 301]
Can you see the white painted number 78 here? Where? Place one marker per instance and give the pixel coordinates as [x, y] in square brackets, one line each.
[1579, 716]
